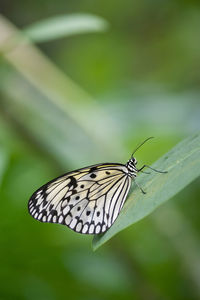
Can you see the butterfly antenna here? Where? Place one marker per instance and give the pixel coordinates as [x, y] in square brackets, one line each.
[151, 137]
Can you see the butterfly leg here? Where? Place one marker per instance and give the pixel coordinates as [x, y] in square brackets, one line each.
[143, 192]
[146, 166]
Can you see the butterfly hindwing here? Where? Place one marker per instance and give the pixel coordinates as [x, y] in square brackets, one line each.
[87, 200]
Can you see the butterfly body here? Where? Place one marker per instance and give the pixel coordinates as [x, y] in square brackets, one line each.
[87, 200]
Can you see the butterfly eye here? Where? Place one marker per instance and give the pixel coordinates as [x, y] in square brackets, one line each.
[134, 160]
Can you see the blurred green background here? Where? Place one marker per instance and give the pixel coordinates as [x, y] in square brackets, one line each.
[88, 98]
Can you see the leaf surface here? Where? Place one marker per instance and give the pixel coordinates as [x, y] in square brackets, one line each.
[182, 164]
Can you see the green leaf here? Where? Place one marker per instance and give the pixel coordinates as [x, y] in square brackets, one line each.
[183, 166]
[65, 25]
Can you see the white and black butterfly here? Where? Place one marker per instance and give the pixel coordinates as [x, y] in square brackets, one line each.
[87, 200]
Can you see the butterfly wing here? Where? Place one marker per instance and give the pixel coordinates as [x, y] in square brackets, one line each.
[87, 200]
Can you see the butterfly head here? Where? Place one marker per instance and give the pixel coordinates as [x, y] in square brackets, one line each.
[131, 164]
[134, 161]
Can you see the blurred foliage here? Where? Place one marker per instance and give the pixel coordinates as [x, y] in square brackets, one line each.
[144, 75]
[64, 25]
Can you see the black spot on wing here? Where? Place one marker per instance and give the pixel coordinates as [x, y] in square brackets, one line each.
[93, 175]
[51, 207]
[72, 183]
[92, 169]
[44, 212]
[44, 202]
[74, 192]
[53, 212]
[33, 200]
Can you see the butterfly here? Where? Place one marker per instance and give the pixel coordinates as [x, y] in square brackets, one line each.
[87, 200]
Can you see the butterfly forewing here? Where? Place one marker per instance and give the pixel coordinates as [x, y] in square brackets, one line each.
[87, 200]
